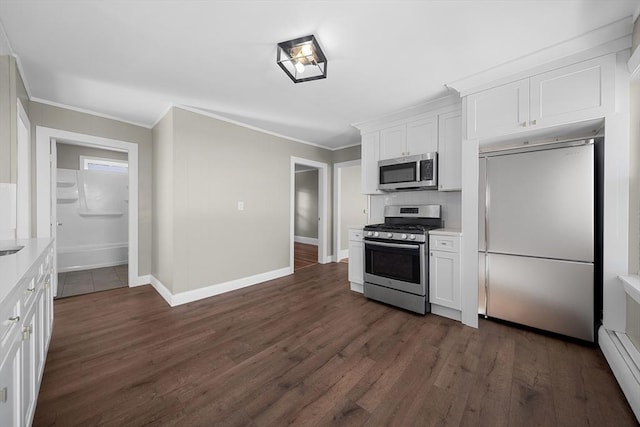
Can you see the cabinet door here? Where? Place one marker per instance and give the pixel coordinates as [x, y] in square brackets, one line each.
[498, 111]
[578, 92]
[444, 279]
[422, 136]
[10, 398]
[450, 151]
[356, 262]
[393, 142]
[29, 365]
[370, 155]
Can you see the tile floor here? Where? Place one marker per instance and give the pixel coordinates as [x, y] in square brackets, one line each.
[87, 281]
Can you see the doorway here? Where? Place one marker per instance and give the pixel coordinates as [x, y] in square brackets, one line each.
[46, 186]
[308, 225]
[92, 193]
[306, 218]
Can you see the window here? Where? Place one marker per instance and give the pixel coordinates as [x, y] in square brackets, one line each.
[104, 165]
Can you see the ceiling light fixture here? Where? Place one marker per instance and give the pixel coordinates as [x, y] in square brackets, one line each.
[302, 59]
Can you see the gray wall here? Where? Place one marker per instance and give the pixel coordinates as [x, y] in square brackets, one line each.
[215, 165]
[73, 121]
[11, 89]
[347, 154]
[68, 155]
[163, 185]
[306, 204]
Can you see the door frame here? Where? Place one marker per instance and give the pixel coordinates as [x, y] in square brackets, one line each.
[45, 165]
[323, 185]
[24, 184]
[337, 207]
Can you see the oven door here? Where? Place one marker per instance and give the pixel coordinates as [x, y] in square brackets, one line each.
[398, 266]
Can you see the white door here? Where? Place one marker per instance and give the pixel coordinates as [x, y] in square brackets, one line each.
[450, 151]
[422, 136]
[393, 142]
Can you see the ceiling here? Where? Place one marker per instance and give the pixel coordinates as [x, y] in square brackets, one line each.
[133, 59]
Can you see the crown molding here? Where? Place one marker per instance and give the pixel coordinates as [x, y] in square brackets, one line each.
[435, 106]
[86, 111]
[609, 38]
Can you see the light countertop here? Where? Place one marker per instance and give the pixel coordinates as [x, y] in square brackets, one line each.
[14, 267]
[356, 227]
[446, 232]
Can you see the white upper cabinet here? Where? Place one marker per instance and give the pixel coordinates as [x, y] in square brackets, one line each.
[499, 110]
[581, 91]
[569, 94]
[370, 149]
[416, 137]
[422, 136]
[450, 151]
[393, 142]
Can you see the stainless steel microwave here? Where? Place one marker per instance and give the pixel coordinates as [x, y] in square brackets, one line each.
[418, 172]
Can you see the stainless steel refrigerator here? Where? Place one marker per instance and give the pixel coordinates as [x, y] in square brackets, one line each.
[537, 237]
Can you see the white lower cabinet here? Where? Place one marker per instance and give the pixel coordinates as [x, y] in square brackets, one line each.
[27, 315]
[444, 274]
[356, 260]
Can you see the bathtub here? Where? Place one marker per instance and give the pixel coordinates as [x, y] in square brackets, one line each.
[92, 256]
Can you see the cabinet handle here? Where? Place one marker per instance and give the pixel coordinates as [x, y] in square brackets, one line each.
[14, 319]
[3, 395]
[26, 333]
[431, 253]
[534, 122]
[31, 290]
[523, 124]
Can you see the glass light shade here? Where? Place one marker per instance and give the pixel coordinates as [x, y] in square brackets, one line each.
[302, 59]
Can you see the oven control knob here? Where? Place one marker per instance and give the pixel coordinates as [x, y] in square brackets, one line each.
[404, 236]
[369, 233]
[389, 235]
[412, 237]
[376, 234]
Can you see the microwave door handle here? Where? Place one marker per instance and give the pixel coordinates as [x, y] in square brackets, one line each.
[392, 245]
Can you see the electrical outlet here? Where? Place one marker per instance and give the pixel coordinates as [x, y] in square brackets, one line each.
[240, 206]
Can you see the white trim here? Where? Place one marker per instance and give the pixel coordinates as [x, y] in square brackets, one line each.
[44, 136]
[342, 254]
[166, 111]
[609, 38]
[23, 212]
[449, 313]
[140, 281]
[245, 125]
[356, 287]
[357, 144]
[306, 240]
[634, 65]
[337, 207]
[91, 266]
[86, 111]
[82, 161]
[632, 286]
[323, 188]
[217, 289]
[623, 361]
[635, 14]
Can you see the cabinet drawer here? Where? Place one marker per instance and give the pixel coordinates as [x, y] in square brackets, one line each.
[444, 243]
[355, 235]
[9, 320]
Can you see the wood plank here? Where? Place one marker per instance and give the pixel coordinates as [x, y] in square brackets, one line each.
[304, 349]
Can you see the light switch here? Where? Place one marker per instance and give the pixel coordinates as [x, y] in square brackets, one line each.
[240, 206]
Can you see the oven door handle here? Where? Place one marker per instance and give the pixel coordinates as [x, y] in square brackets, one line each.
[391, 245]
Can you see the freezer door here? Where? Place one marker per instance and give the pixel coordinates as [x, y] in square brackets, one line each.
[541, 203]
[552, 295]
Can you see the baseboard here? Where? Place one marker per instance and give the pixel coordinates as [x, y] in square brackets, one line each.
[305, 240]
[140, 281]
[357, 287]
[92, 266]
[342, 254]
[447, 312]
[220, 288]
[624, 361]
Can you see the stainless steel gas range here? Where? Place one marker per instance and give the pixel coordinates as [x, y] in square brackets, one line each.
[396, 262]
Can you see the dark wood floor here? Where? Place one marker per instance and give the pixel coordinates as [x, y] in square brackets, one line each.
[304, 255]
[305, 350]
